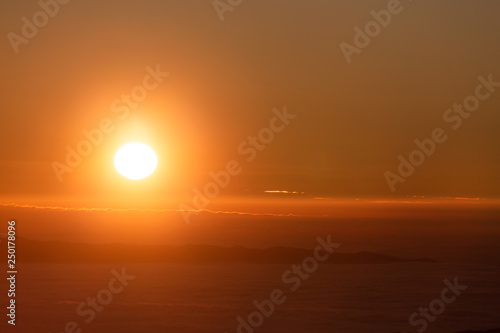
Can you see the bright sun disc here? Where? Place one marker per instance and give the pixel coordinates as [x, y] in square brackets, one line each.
[135, 161]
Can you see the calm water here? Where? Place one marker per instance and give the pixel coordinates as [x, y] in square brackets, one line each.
[208, 298]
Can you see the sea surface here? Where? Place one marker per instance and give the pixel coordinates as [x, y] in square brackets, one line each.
[209, 298]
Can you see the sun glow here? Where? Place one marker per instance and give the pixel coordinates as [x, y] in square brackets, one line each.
[135, 161]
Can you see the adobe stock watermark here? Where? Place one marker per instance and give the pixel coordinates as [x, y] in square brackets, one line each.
[293, 279]
[12, 270]
[363, 38]
[249, 149]
[436, 307]
[121, 106]
[30, 27]
[222, 6]
[452, 117]
[93, 305]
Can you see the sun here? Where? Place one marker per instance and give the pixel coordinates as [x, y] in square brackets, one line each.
[135, 161]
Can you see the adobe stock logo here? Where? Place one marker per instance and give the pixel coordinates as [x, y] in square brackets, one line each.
[222, 6]
[94, 305]
[249, 148]
[454, 118]
[121, 106]
[372, 29]
[292, 279]
[436, 307]
[30, 28]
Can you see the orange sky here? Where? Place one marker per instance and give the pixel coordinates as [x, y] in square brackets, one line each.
[224, 81]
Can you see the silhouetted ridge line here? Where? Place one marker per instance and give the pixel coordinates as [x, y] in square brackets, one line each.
[31, 251]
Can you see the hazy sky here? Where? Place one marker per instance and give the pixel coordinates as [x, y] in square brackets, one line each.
[225, 78]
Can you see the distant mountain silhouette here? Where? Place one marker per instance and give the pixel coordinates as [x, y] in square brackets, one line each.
[31, 251]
